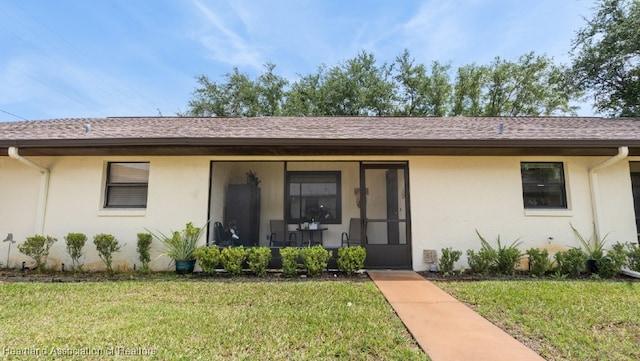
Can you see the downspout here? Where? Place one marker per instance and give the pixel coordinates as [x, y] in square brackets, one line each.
[44, 188]
[623, 152]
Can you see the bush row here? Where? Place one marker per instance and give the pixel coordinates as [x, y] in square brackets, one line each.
[312, 259]
[37, 247]
[503, 259]
[232, 259]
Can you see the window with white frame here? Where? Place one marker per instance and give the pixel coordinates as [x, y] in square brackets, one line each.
[127, 185]
[543, 185]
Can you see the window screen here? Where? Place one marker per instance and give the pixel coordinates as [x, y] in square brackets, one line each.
[127, 185]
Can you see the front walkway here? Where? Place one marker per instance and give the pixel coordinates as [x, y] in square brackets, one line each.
[446, 329]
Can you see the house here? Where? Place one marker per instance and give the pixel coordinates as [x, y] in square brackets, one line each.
[412, 185]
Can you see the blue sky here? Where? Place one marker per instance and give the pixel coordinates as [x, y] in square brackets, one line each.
[99, 58]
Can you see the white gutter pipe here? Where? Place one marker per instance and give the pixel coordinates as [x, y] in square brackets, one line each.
[630, 273]
[623, 152]
[44, 188]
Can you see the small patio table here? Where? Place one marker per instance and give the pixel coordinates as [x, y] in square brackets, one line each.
[312, 233]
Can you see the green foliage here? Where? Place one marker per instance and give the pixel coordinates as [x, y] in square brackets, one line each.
[506, 257]
[315, 259]
[75, 242]
[143, 246]
[258, 259]
[106, 245]
[594, 248]
[351, 259]
[481, 262]
[570, 262]
[232, 259]
[539, 262]
[37, 247]
[633, 257]
[208, 258]
[289, 256]
[606, 57]
[612, 263]
[448, 259]
[533, 85]
[180, 245]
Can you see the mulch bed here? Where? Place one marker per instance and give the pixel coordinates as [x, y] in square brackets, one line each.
[221, 276]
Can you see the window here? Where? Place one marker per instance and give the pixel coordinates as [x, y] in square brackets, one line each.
[127, 185]
[313, 196]
[543, 185]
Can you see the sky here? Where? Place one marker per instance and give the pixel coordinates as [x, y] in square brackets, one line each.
[102, 58]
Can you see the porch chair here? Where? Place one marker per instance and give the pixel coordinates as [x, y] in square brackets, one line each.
[221, 237]
[280, 236]
[354, 236]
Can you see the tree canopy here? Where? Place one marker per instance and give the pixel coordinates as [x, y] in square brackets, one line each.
[606, 57]
[533, 85]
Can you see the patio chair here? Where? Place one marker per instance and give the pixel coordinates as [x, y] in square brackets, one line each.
[354, 236]
[280, 236]
[221, 237]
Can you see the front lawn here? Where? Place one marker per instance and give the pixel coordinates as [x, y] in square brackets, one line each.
[561, 320]
[178, 320]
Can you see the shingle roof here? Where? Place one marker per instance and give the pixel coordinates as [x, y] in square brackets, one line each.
[370, 131]
[326, 128]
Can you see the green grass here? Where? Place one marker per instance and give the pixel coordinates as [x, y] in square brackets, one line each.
[311, 320]
[561, 320]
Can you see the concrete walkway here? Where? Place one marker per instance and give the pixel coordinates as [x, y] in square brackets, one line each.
[446, 329]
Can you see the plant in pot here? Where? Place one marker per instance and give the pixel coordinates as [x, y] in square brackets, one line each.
[180, 246]
[594, 248]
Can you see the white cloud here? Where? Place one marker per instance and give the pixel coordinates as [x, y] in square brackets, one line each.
[225, 44]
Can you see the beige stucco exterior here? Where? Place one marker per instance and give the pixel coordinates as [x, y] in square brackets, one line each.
[450, 197]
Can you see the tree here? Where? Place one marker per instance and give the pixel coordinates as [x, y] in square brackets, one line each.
[470, 80]
[239, 96]
[359, 87]
[533, 85]
[606, 57]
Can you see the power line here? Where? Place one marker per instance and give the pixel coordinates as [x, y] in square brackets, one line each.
[115, 94]
[13, 115]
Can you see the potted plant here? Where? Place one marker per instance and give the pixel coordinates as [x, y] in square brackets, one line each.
[593, 248]
[181, 246]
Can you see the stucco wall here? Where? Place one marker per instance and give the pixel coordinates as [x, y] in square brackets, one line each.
[178, 189]
[450, 198]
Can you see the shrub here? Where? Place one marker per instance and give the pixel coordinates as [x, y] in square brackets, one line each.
[37, 247]
[314, 259]
[539, 262]
[506, 257]
[448, 259]
[144, 250]
[480, 263]
[75, 242]
[612, 263]
[106, 245]
[633, 257]
[232, 258]
[258, 259]
[351, 259]
[289, 256]
[570, 262]
[208, 258]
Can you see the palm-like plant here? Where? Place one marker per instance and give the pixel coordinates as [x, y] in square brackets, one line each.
[180, 245]
[594, 248]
